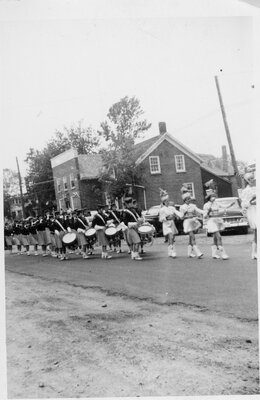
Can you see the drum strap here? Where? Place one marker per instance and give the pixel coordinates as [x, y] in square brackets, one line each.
[131, 213]
[60, 225]
[114, 215]
[85, 226]
[101, 218]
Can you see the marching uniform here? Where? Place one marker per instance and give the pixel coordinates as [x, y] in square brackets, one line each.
[248, 203]
[214, 224]
[116, 217]
[131, 219]
[166, 215]
[99, 223]
[189, 213]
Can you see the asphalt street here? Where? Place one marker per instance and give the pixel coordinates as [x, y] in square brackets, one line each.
[225, 287]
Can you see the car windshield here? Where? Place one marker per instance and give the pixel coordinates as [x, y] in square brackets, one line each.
[153, 210]
[225, 202]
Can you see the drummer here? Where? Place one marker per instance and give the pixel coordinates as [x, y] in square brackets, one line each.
[99, 223]
[132, 219]
[60, 231]
[115, 215]
[82, 225]
[139, 212]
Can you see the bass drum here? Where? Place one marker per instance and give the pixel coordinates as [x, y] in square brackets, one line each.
[69, 238]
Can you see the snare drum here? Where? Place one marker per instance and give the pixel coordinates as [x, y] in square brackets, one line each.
[146, 234]
[69, 238]
[110, 232]
[90, 233]
[144, 230]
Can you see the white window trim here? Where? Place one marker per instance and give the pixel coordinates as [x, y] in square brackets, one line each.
[159, 165]
[65, 180]
[192, 185]
[184, 167]
[58, 185]
[72, 178]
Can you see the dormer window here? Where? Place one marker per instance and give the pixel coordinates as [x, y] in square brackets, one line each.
[155, 167]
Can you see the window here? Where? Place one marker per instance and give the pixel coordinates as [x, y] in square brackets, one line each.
[155, 167]
[58, 185]
[180, 163]
[65, 183]
[190, 187]
[72, 181]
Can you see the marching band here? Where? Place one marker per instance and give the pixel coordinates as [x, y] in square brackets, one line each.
[61, 233]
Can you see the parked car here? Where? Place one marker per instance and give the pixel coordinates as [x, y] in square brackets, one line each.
[152, 216]
[234, 219]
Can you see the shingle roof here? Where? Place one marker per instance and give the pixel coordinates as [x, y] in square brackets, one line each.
[89, 165]
[141, 147]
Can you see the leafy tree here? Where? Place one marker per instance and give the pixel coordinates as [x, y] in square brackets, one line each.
[39, 179]
[123, 126]
[10, 188]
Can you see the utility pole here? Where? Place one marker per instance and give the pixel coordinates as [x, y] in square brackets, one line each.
[21, 189]
[232, 154]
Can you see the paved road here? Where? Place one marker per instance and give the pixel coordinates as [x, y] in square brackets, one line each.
[226, 287]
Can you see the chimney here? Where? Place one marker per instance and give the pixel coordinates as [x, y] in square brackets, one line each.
[224, 159]
[162, 128]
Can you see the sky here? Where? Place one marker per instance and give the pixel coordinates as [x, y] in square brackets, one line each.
[62, 62]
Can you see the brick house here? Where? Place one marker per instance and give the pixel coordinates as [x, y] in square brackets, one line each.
[169, 164]
[76, 180]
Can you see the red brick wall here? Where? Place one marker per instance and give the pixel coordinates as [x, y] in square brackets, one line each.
[66, 169]
[169, 179]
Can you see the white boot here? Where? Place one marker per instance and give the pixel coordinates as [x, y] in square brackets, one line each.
[190, 253]
[198, 253]
[223, 253]
[173, 253]
[254, 254]
[169, 251]
[214, 252]
[137, 256]
[106, 255]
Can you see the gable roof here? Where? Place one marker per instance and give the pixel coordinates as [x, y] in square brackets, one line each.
[145, 148]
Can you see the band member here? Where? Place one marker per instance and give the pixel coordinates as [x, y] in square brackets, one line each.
[99, 223]
[24, 235]
[59, 232]
[167, 214]
[8, 233]
[33, 239]
[51, 226]
[214, 224]
[131, 219]
[82, 225]
[190, 213]
[116, 216]
[40, 226]
[248, 203]
[16, 233]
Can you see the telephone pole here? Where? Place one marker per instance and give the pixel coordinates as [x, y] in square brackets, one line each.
[21, 189]
[232, 154]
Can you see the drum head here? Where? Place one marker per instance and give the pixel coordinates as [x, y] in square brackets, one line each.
[69, 238]
[90, 232]
[110, 231]
[145, 229]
